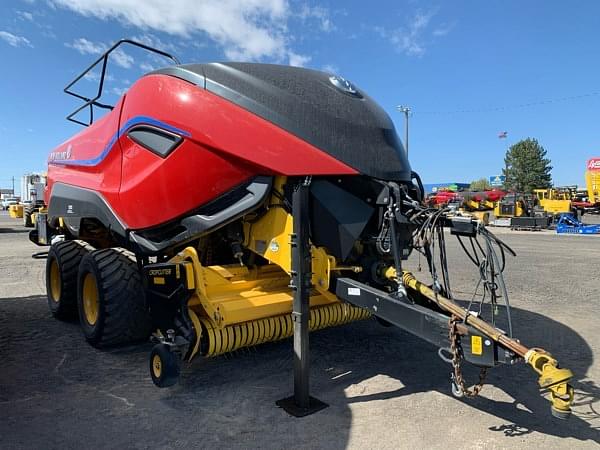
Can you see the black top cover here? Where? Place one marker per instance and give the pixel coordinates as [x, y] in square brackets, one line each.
[325, 111]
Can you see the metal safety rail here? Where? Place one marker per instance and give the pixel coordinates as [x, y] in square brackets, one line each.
[90, 102]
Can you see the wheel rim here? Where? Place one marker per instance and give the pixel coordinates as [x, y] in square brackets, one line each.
[55, 287]
[91, 303]
[156, 366]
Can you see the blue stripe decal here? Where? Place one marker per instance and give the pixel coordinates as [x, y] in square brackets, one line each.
[145, 120]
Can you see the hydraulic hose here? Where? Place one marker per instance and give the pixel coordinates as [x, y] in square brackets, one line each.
[552, 377]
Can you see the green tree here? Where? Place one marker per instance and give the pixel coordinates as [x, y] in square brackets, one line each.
[480, 185]
[526, 167]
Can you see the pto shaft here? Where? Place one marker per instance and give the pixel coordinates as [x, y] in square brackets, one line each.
[551, 376]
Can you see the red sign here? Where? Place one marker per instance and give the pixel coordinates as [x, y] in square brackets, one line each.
[593, 164]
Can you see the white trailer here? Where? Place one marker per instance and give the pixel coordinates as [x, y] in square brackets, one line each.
[32, 187]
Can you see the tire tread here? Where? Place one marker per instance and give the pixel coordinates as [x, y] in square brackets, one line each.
[126, 318]
[68, 255]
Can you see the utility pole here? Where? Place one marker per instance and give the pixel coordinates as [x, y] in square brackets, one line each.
[13, 184]
[406, 111]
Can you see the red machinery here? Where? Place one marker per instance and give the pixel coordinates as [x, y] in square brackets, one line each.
[476, 200]
[172, 216]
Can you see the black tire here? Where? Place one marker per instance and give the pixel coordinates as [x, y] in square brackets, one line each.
[118, 314]
[164, 366]
[27, 220]
[62, 266]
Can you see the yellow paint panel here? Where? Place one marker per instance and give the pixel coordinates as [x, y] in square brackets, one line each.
[189, 273]
[592, 180]
[270, 237]
[476, 345]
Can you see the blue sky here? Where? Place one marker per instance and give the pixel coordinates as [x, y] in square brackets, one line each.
[466, 68]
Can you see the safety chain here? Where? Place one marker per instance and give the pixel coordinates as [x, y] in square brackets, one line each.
[456, 357]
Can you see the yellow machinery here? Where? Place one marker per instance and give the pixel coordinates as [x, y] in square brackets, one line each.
[15, 211]
[36, 212]
[554, 200]
[592, 180]
[479, 210]
[474, 205]
[236, 305]
[511, 205]
[318, 253]
[30, 214]
[482, 216]
[503, 210]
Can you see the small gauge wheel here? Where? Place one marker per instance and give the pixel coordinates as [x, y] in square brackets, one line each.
[164, 366]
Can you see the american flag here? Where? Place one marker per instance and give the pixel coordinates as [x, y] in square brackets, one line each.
[503, 135]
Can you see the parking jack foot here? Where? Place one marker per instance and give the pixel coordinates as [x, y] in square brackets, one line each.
[290, 406]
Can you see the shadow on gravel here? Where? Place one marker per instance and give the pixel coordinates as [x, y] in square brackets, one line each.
[529, 411]
[14, 230]
[229, 401]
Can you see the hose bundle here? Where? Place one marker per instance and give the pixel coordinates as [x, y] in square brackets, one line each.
[481, 249]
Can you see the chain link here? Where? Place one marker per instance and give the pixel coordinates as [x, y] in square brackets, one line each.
[456, 365]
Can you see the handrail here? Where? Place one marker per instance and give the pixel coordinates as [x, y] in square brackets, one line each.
[91, 102]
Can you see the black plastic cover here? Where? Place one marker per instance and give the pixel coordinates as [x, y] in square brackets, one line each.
[338, 218]
[208, 218]
[159, 142]
[310, 104]
[73, 202]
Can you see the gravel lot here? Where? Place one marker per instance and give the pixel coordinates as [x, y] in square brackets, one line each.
[385, 388]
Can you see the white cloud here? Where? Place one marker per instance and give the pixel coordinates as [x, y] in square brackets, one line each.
[318, 13]
[244, 29]
[443, 30]
[92, 76]
[410, 39]
[118, 91]
[49, 34]
[147, 67]
[85, 47]
[25, 15]
[150, 61]
[14, 40]
[121, 58]
[95, 77]
[154, 41]
[298, 60]
[330, 68]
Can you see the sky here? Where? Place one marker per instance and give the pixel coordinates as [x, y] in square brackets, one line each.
[468, 70]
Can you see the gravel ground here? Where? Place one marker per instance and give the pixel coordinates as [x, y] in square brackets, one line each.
[385, 388]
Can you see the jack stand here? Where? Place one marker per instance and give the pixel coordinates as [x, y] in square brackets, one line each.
[301, 403]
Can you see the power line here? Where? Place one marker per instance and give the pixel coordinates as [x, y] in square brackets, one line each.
[509, 107]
